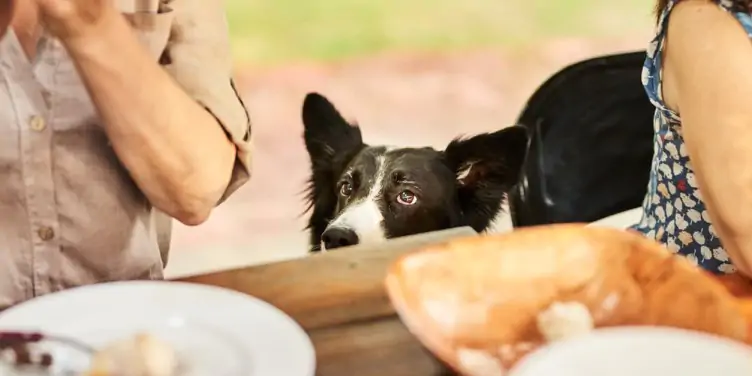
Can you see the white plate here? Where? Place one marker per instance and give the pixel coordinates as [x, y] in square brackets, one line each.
[215, 331]
[643, 351]
[623, 220]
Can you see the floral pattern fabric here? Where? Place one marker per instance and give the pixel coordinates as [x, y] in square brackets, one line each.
[673, 211]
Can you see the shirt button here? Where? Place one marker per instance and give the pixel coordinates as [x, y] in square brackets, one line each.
[46, 233]
[37, 123]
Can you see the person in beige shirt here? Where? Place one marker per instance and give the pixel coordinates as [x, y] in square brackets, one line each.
[116, 115]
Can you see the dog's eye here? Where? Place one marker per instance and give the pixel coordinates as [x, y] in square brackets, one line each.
[345, 189]
[407, 198]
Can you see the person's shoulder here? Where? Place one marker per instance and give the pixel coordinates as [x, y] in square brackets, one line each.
[706, 46]
[703, 21]
[700, 7]
[711, 11]
[728, 5]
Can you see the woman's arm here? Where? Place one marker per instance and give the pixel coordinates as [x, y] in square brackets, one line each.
[708, 80]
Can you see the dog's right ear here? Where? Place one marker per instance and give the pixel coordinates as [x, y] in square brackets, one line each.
[327, 133]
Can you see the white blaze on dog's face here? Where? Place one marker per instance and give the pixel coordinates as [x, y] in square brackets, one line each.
[365, 194]
[363, 217]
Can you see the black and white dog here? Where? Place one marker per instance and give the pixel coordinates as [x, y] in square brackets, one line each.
[360, 193]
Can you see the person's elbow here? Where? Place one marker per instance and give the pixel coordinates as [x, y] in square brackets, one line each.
[745, 271]
[193, 215]
[194, 207]
[201, 193]
[737, 241]
[743, 266]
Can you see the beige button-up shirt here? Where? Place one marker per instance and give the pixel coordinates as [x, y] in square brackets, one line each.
[69, 212]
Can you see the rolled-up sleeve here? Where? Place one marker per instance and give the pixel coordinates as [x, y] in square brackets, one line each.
[198, 57]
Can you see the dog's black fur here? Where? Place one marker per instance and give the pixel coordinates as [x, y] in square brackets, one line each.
[463, 185]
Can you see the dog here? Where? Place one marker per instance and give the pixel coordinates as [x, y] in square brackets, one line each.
[360, 193]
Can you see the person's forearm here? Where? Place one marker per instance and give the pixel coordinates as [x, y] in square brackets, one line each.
[175, 150]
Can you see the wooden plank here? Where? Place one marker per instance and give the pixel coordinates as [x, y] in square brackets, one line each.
[373, 348]
[339, 299]
[331, 288]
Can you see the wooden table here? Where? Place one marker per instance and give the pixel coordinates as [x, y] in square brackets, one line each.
[339, 299]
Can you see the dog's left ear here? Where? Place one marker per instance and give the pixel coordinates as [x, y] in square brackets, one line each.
[487, 166]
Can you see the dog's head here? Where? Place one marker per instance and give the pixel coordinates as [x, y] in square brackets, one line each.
[360, 193]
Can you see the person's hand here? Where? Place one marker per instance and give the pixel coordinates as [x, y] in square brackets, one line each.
[74, 19]
[6, 14]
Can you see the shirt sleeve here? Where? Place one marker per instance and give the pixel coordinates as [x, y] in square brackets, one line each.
[198, 57]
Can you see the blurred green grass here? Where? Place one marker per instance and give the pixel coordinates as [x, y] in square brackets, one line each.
[274, 31]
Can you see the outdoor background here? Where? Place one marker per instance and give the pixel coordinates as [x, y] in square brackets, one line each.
[412, 72]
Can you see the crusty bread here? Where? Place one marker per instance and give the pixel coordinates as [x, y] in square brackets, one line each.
[476, 302]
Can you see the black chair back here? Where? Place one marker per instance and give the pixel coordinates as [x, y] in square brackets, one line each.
[591, 143]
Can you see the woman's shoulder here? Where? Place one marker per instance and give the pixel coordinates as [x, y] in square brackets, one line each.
[700, 16]
[738, 9]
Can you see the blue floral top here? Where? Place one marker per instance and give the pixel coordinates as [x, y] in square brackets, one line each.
[673, 211]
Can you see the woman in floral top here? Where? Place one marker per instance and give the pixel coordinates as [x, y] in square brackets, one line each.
[698, 74]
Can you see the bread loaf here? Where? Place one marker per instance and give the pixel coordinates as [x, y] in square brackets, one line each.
[481, 303]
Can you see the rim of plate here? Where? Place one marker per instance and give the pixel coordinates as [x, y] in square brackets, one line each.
[626, 335]
[305, 347]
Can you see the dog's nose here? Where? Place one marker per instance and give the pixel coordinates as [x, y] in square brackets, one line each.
[337, 237]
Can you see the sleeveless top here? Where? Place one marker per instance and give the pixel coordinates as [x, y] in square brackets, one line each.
[673, 211]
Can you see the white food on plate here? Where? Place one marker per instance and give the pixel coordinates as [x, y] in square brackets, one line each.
[479, 363]
[564, 320]
[140, 355]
